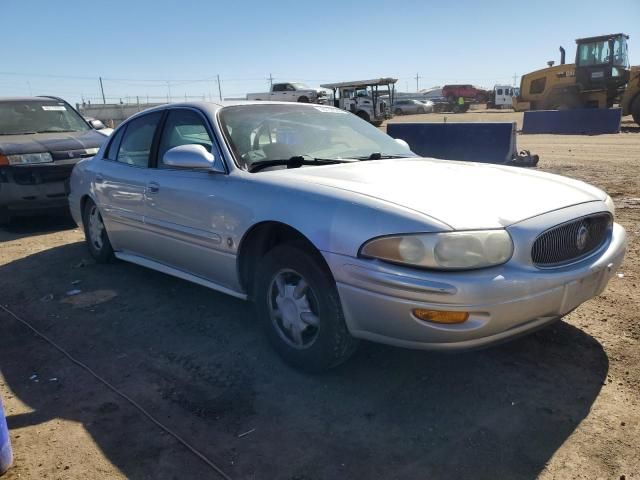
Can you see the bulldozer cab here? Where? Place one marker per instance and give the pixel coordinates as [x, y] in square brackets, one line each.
[602, 63]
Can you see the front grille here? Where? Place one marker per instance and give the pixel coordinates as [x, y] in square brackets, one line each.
[571, 241]
[41, 174]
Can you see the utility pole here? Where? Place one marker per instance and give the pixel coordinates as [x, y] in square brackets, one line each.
[104, 100]
[270, 81]
[418, 77]
[219, 87]
[514, 79]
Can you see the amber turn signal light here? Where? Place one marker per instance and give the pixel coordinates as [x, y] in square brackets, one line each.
[4, 160]
[440, 316]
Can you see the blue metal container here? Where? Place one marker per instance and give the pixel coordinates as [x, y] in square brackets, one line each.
[6, 454]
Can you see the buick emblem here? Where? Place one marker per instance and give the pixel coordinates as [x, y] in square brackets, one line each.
[582, 237]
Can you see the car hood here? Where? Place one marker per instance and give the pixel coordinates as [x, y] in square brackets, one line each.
[463, 195]
[50, 142]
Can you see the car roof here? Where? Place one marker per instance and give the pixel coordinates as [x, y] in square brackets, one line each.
[29, 99]
[213, 107]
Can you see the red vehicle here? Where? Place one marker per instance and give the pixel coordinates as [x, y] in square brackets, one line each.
[470, 93]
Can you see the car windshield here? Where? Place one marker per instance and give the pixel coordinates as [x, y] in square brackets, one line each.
[38, 116]
[258, 133]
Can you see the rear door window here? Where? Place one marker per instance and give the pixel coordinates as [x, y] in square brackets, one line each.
[135, 147]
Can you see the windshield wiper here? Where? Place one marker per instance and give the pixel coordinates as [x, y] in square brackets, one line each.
[294, 162]
[56, 131]
[381, 156]
[19, 133]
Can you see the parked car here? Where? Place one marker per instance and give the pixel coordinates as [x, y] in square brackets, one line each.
[405, 107]
[290, 92]
[41, 139]
[338, 232]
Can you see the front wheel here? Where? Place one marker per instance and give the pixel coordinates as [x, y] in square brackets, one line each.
[397, 111]
[298, 305]
[95, 233]
[303, 100]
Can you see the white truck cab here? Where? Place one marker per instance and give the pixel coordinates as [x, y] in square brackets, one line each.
[371, 100]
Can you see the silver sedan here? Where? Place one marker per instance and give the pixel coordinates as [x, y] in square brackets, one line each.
[338, 232]
[406, 107]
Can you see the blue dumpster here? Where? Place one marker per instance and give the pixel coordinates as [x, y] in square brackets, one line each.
[6, 454]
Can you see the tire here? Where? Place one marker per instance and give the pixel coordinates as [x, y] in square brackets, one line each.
[5, 218]
[635, 109]
[397, 111]
[377, 123]
[99, 248]
[303, 100]
[363, 115]
[317, 343]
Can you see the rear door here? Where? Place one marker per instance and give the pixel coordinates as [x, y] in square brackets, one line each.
[121, 181]
[187, 209]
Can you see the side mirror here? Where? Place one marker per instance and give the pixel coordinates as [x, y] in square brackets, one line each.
[97, 124]
[403, 143]
[190, 156]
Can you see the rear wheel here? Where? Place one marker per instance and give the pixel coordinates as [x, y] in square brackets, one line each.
[95, 233]
[298, 305]
[5, 218]
[635, 109]
[397, 111]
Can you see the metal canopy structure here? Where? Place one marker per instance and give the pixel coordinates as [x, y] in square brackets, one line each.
[361, 83]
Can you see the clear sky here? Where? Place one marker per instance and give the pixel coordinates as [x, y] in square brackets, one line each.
[151, 47]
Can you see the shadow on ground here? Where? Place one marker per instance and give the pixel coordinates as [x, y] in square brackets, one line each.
[197, 360]
[21, 227]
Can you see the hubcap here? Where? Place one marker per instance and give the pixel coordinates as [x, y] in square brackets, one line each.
[96, 228]
[293, 308]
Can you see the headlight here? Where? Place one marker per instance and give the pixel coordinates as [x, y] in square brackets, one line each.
[91, 151]
[29, 158]
[443, 251]
[610, 205]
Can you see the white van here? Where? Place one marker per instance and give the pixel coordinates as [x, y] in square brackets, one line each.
[502, 97]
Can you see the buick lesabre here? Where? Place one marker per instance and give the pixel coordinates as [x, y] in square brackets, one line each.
[338, 232]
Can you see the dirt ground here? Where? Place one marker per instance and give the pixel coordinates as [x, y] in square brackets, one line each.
[562, 403]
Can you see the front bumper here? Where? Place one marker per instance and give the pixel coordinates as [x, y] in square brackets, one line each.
[504, 302]
[33, 189]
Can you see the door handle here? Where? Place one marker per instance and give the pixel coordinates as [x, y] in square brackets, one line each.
[99, 179]
[153, 187]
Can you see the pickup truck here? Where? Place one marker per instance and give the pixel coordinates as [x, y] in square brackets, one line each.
[290, 92]
[470, 93]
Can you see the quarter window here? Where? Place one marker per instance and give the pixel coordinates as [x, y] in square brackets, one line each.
[183, 127]
[112, 150]
[135, 147]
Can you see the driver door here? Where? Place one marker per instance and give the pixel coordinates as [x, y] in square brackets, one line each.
[187, 209]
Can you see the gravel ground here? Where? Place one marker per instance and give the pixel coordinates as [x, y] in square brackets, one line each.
[562, 403]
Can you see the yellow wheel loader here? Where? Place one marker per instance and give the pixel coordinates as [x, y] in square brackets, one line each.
[599, 78]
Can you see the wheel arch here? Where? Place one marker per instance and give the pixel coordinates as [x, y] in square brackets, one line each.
[263, 237]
